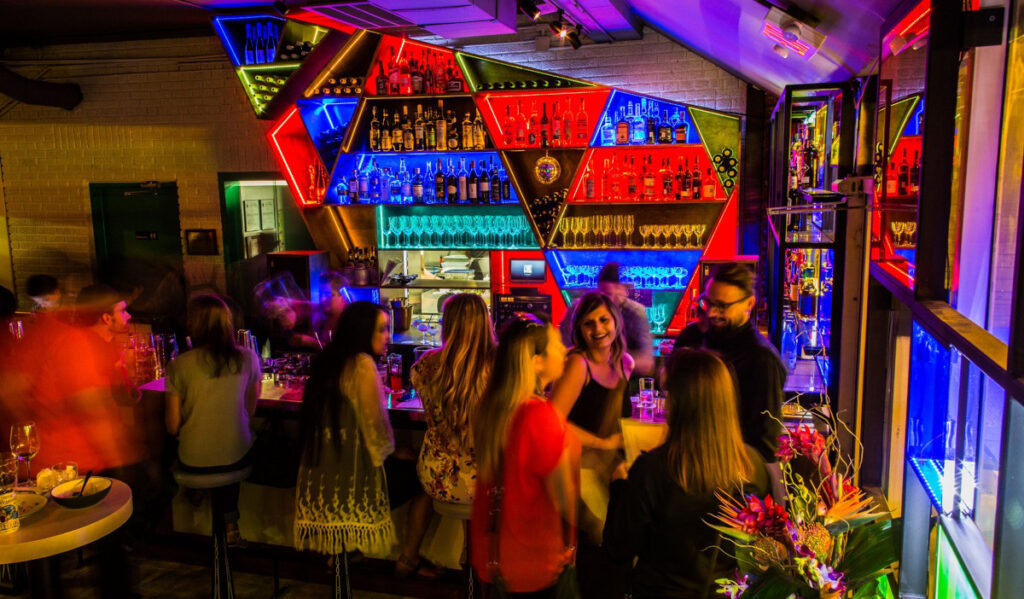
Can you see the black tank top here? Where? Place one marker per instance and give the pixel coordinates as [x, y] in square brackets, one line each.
[598, 408]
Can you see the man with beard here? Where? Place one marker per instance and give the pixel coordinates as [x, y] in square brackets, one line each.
[727, 329]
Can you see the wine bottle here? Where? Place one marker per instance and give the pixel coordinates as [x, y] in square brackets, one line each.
[913, 183]
[495, 185]
[419, 130]
[250, 45]
[453, 184]
[416, 78]
[709, 186]
[532, 137]
[374, 132]
[667, 191]
[473, 184]
[695, 182]
[683, 180]
[556, 127]
[485, 184]
[463, 181]
[520, 125]
[903, 183]
[441, 124]
[439, 184]
[649, 180]
[582, 125]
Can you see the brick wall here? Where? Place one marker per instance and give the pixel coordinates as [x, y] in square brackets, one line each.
[173, 110]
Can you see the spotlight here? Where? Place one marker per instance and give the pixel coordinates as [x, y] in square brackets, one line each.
[558, 26]
[791, 32]
[574, 37]
[529, 8]
[781, 50]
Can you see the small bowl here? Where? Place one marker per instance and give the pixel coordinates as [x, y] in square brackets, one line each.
[66, 494]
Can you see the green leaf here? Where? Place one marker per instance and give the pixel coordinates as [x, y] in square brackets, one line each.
[774, 584]
[837, 528]
[732, 532]
[871, 551]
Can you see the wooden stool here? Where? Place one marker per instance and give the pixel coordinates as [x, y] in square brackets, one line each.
[223, 588]
[461, 512]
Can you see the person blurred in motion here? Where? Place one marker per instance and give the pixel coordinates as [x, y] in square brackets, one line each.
[592, 393]
[44, 292]
[332, 304]
[13, 378]
[523, 519]
[636, 329]
[286, 314]
[348, 480]
[659, 514]
[450, 381]
[211, 397]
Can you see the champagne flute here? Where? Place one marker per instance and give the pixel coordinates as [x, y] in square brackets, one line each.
[606, 229]
[619, 227]
[910, 227]
[563, 228]
[585, 228]
[630, 225]
[25, 444]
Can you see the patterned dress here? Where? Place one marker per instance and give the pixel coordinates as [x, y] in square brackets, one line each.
[447, 464]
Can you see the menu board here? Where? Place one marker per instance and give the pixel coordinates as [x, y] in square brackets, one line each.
[268, 214]
[251, 215]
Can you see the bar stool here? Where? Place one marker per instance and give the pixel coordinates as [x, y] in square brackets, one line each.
[461, 512]
[223, 587]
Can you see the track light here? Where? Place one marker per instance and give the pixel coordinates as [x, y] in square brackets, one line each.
[791, 32]
[574, 37]
[529, 8]
[558, 26]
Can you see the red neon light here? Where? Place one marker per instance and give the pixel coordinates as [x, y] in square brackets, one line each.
[435, 55]
[692, 155]
[503, 133]
[315, 18]
[914, 25]
[294, 152]
[772, 32]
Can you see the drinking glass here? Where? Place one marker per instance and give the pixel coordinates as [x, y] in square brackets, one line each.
[436, 229]
[646, 403]
[910, 227]
[677, 271]
[645, 230]
[619, 227]
[686, 230]
[8, 472]
[563, 228]
[659, 318]
[897, 230]
[25, 444]
[395, 372]
[698, 231]
[433, 328]
[65, 471]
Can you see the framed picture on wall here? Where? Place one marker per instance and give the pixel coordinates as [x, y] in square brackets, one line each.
[251, 215]
[268, 214]
[201, 242]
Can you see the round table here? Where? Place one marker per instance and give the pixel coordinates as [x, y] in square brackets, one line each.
[56, 529]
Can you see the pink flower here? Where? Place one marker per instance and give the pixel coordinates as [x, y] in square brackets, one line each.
[763, 517]
[802, 441]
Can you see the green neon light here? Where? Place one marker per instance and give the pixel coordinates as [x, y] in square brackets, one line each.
[531, 70]
[903, 124]
[467, 73]
[260, 98]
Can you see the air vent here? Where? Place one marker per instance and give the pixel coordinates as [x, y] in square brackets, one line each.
[447, 18]
[361, 14]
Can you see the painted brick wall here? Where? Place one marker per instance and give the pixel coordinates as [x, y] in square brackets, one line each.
[173, 110]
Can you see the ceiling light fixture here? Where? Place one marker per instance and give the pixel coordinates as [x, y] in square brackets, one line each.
[791, 32]
[558, 25]
[574, 37]
[781, 50]
[529, 8]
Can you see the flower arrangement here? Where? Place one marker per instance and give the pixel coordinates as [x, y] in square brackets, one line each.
[829, 540]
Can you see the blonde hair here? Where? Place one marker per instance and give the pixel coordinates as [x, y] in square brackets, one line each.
[705, 450]
[513, 380]
[464, 363]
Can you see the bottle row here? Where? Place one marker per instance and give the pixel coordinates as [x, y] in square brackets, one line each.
[904, 178]
[626, 182]
[545, 209]
[644, 125]
[429, 73]
[524, 84]
[260, 44]
[361, 267]
[345, 86]
[616, 230]
[296, 51]
[437, 130]
[533, 130]
[484, 184]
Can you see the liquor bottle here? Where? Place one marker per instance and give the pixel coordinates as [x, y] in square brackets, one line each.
[556, 127]
[485, 184]
[250, 45]
[454, 80]
[506, 186]
[463, 181]
[903, 184]
[395, 189]
[495, 185]
[259, 46]
[419, 130]
[397, 136]
[664, 130]
[375, 184]
[532, 136]
[364, 184]
[683, 180]
[416, 77]
[440, 80]
[406, 182]
[417, 187]
[622, 128]
[439, 184]
[520, 126]
[508, 126]
[607, 132]
[890, 181]
[473, 184]
[588, 183]
[568, 126]
[429, 133]
[467, 133]
[385, 133]
[667, 191]
[695, 182]
[479, 135]
[341, 191]
[680, 130]
[631, 180]
[408, 137]
[374, 132]
[453, 132]
[709, 186]
[582, 125]
[652, 126]
[393, 87]
[544, 127]
[382, 79]
[452, 188]
[404, 77]
[441, 124]
[614, 177]
[353, 187]
[638, 128]
[428, 74]
[649, 180]
[915, 174]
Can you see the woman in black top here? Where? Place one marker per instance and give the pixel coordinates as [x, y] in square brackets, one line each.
[659, 513]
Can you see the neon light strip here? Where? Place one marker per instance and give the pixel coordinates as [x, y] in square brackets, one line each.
[294, 112]
[466, 72]
[927, 12]
[326, 73]
[542, 73]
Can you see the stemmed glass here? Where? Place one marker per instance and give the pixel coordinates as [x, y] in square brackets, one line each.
[25, 444]
[619, 227]
[897, 229]
[686, 231]
[677, 271]
[574, 226]
[433, 328]
[629, 230]
[698, 231]
[658, 318]
[910, 227]
[585, 228]
[563, 228]
[606, 230]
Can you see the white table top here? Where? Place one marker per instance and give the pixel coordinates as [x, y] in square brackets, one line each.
[56, 529]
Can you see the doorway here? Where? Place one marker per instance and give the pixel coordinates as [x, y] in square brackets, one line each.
[138, 248]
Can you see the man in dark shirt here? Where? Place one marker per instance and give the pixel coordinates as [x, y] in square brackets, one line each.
[727, 301]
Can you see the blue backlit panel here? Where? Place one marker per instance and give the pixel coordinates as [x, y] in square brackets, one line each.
[249, 39]
[326, 120]
[931, 426]
[635, 110]
[650, 269]
[454, 227]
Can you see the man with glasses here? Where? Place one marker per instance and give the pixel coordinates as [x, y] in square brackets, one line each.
[725, 327]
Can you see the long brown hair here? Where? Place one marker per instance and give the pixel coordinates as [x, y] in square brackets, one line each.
[590, 301]
[705, 449]
[212, 328]
[513, 380]
[465, 362]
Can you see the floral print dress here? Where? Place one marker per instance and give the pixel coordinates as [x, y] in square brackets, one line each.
[447, 465]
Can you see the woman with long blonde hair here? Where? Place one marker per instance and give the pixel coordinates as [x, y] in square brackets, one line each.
[523, 519]
[451, 381]
[659, 513]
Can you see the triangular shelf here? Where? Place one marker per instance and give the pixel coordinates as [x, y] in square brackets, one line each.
[507, 115]
[262, 83]
[393, 51]
[578, 269]
[351, 62]
[458, 104]
[542, 179]
[298, 158]
[681, 226]
[720, 134]
[602, 176]
[326, 121]
[618, 106]
[486, 74]
[250, 39]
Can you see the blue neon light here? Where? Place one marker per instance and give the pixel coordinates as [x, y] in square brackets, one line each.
[362, 294]
[645, 269]
[229, 37]
[619, 99]
[326, 120]
[916, 117]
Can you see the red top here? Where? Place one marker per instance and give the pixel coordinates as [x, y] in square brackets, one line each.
[532, 549]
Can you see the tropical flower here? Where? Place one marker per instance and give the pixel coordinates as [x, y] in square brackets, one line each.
[802, 441]
[732, 589]
[763, 517]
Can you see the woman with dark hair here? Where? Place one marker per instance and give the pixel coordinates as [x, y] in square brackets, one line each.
[660, 513]
[348, 482]
[211, 396]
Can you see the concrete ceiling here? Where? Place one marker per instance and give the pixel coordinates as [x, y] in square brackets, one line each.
[725, 31]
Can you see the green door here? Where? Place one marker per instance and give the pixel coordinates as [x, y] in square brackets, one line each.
[138, 247]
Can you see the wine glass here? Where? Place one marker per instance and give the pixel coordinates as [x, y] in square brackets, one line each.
[686, 230]
[910, 227]
[630, 225]
[606, 229]
[698, 231]
[433, 328]
[25, 444]
[897, 230]
[659, 318]
[563, 228]
[585, 228]
[619, 227]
